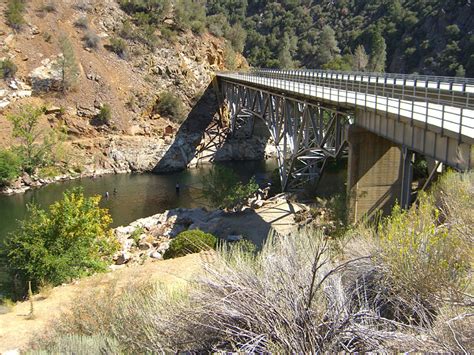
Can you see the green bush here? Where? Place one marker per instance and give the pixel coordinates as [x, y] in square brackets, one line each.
[188, 242]
[119, 47]
[422, 256]
[82, 22]
[223, 189]
[91, 39]
[105, 114]
[10, 166]
[8, 69]
[71, 240]
[171, 106]
[14, 13]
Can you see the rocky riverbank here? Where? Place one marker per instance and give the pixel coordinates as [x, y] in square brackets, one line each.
[150, 237]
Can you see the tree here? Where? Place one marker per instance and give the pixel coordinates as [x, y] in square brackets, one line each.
[284, 56]
[224, 190]
[10, 166]
[378, 53]
[460, 72]
[70, 240]
[36, 144]
[361, 59]
[328, 48]
[171, 106]
[67, 64]
[237, 36]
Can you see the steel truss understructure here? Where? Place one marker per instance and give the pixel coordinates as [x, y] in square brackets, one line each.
[305, 134]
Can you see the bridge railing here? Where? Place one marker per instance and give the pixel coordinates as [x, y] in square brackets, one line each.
[447, 103]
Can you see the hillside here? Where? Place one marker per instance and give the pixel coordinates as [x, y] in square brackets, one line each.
[137, 83]
[403, 36]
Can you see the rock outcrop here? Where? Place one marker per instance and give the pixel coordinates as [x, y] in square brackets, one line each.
[47, 77]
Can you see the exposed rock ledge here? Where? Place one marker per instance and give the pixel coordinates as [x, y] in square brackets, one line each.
[150, 237]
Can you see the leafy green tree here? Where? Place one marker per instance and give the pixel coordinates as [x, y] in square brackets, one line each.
[378, 54]
[70, 240]
[10, 166]
[223, 189]
[36, 144]
[460, 72]
[190, 14]
[340, 63]
[188, 242]
[236, 35]
[67, 64]
[171, 106]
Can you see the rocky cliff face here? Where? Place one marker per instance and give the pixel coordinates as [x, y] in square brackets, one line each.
[136, 136]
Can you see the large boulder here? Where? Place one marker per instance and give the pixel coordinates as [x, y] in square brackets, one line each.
[47, 77]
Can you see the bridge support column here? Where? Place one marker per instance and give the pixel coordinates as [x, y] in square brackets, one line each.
[376, 172]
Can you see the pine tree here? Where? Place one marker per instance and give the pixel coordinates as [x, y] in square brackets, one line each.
[67, 64]
[284, 56]
[361, 59]
[378, 54]
[328, 49]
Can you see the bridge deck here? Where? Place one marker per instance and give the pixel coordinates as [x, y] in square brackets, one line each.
[444, 104]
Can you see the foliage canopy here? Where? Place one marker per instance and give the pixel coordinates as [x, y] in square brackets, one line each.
[223, 189]
[70, 240]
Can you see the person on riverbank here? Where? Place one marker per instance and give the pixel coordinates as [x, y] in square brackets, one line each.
[107, 195]
[177, 187]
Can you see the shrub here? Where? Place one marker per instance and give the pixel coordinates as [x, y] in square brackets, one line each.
[119, 47]
[14, 13]
[104, 114]
[80, 345]
[188, 242]
[171, 106]
[8, 69]
[453, 197]
[70, 240]
[49, 7]
[299, 295]
[127, 31]
[47, 37]
[10, 166]
[423, 258]
[91, 39]
[222, 188]
[82, 22]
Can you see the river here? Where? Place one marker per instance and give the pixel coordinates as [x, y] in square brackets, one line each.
[138, 195]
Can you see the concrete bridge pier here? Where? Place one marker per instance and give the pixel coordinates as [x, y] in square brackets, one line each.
[379, 174]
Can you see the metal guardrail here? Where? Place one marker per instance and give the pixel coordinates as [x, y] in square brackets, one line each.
[443, 102]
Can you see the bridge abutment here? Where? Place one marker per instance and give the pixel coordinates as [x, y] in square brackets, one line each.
[376, 171]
